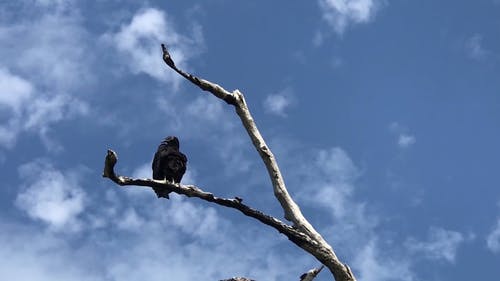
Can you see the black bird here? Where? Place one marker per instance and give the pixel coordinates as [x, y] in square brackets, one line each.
[168, 164]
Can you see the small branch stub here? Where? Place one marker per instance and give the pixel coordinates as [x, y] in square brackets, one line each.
[311, 274]
[166, 56]
[109, 164]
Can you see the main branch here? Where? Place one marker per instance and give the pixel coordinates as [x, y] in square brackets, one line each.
[340, 271]
[319, 247]
[293, 234]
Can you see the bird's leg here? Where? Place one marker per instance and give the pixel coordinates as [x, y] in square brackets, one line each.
[161, 193]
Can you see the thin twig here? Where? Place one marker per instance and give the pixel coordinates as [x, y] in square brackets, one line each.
[311, 274]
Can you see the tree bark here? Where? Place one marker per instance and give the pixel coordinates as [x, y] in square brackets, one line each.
[300, 232]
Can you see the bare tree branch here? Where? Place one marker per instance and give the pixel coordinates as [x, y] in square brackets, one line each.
[319, 247]
[236, 98]
[293, 234]
[192, 191]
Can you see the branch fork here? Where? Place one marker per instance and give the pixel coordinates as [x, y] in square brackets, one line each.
[301, 232]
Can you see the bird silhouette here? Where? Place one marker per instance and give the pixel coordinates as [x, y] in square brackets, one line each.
[168, 164]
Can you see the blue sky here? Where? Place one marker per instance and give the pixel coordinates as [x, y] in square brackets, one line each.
[383, 116]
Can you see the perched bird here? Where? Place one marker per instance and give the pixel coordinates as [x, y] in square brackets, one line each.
[168, 163]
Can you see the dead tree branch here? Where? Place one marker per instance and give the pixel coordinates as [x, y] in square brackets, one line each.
[296, 236]
[236, 98]
[192, 191]
[318, 246]
[301, 232]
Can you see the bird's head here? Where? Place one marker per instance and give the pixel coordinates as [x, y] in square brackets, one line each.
[172, 141]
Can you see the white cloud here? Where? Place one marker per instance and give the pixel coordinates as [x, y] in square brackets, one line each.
[340, 13]
[14, 94]
[337, 173]
[55, 53]
[51, 196]
[8, 133]
[143, 171]
[14, 90]
[493, 239]
[32, 111]
[36, 79]
[442, 244]
[405, 140]
[47, 110]
[149, 239]
[200, 116]
[374, 266]
[30, 254]
[474, 47]
[139, 44]
[130, 220]
[332, 174]
[205, 107]
[328, 181]
[279, 102]
[192, 218]
[53, 2]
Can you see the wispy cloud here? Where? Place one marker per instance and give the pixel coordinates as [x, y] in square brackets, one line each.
[375, 266]
[493, 239]
[130, 220]
[339, 14]
[51, 196]
[207, 108]
[27, 256]
[38, 114]
[14, 90]
[138, 42]
[53, 2]
[442, 244]
[474, 47]
[44, 65]
[278, 103]
[162, 238]
[53, 51]
[404, 139]
[330, 178]
[338, 173]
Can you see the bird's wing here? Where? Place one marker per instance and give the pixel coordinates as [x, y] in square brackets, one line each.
[182, 159]
[157, 173]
